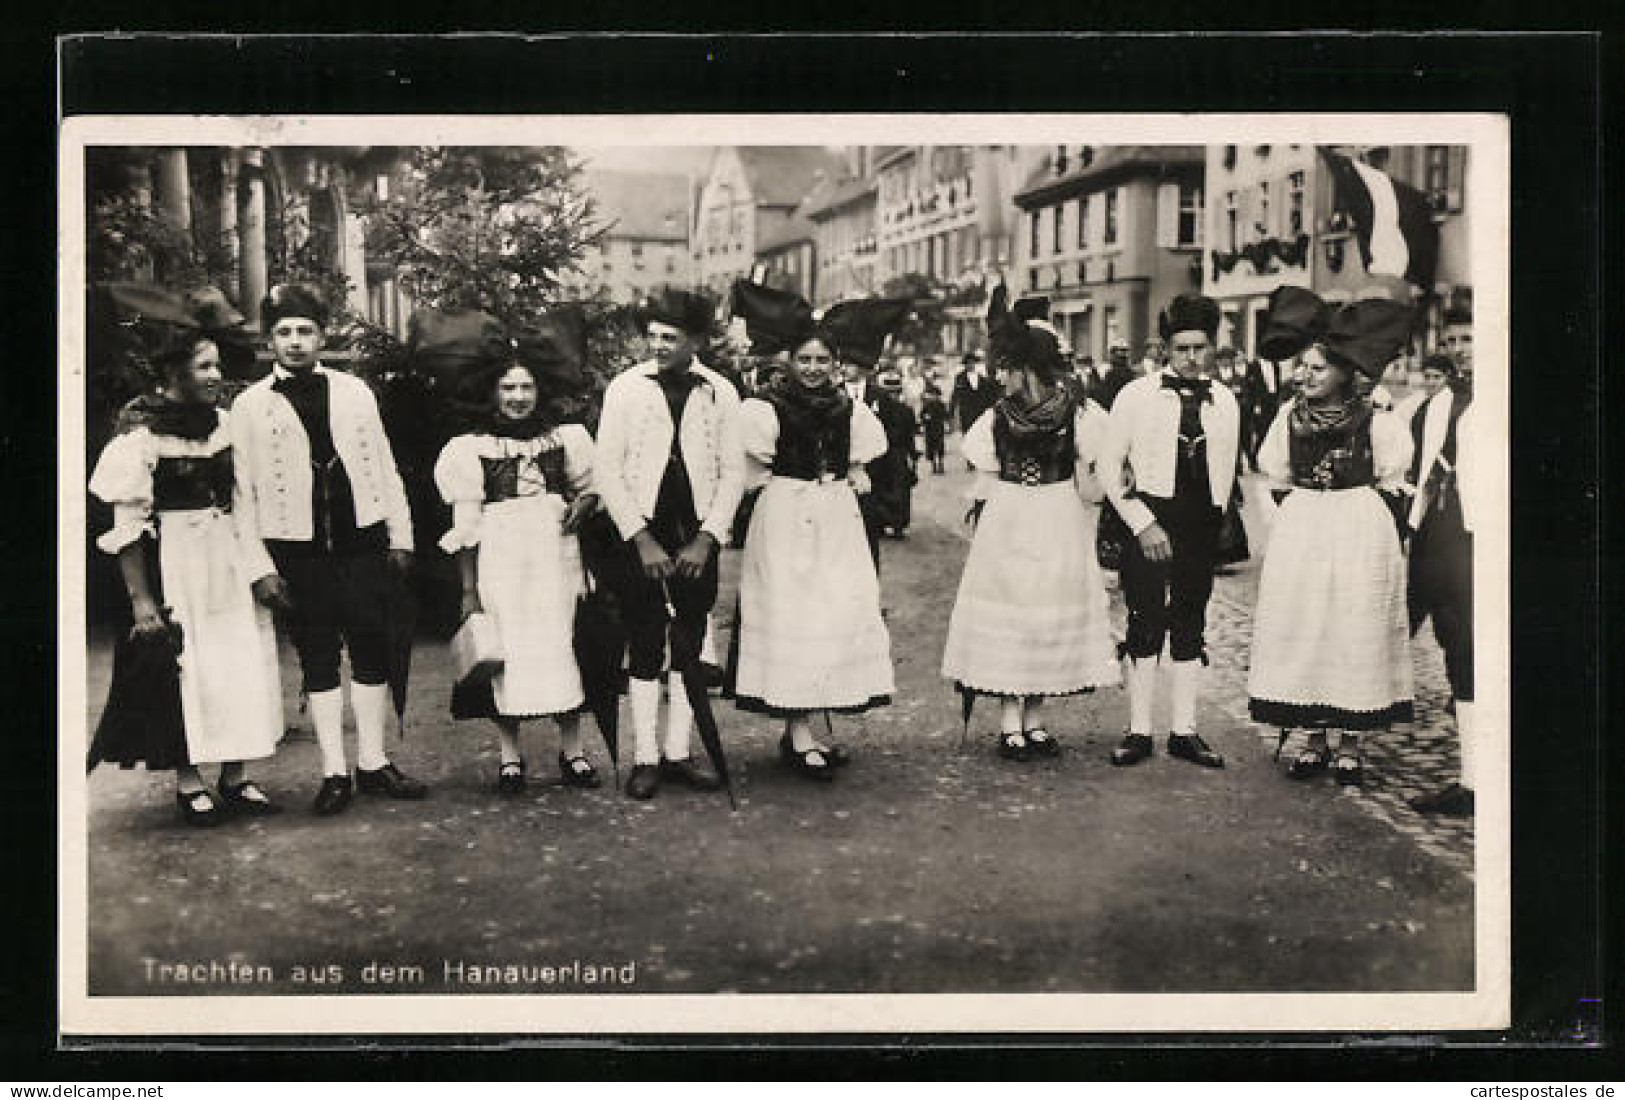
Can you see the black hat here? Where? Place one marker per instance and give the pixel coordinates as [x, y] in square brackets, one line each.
[1031, 308]
[775, 320]
[292, 300]
[1366, 335]
[1017, 343]
[555, 351]
[1190, 312]
[1458, 315]
[681, 309]
[1296, 318]
[858, 329]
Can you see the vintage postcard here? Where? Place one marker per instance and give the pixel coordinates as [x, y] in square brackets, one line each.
[744, 574]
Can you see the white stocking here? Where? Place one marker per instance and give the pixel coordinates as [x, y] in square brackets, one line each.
[371, 705]
[327, 715]
[644, 696]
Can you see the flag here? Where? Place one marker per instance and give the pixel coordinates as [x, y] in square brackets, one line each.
[1392, 221]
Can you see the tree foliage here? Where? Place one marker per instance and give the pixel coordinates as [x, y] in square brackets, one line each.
[494, 229]
[923, 329]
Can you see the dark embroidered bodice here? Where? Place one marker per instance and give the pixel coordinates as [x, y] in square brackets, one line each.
[182, 484]
[808, 449]
[1037, 459]
[511, 476]
[1334, 460]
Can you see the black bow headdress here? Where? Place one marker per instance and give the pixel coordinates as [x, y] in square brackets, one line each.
[1016, 343]
[1366, 334]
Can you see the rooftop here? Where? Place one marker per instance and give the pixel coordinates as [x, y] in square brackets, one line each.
[793, 231]
[830, 197]
[784, 175]
[1109, 164]
[650, 206]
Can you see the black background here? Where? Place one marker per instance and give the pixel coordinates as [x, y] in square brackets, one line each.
[1550, 86]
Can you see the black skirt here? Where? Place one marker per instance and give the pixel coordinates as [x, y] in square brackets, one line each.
[142, 721]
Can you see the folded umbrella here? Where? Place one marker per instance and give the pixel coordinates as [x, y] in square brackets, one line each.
[600, 647]
[967, 703]
[402, 614]
[696, 684]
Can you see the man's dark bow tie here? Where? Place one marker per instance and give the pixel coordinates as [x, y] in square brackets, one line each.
[1189, 387]
[304, 383]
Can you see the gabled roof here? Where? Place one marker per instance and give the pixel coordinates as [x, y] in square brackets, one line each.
[830, 197]
[783, 175]
[794, 231]
[1110, 163]
[650, 206]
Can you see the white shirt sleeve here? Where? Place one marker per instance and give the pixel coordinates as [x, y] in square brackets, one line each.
[123, 479]
[1113, 468]
[1275, 453]
[868, 436]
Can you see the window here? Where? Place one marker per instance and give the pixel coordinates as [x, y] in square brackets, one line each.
[1032, 233]
[1113, 331]
[1055, 241]
[1111, 216]
[1190, 214]
[1083, 222]
[1261, 228]
[1231, 216]
[1032, 278]
[1444, 167]
[1295, 199]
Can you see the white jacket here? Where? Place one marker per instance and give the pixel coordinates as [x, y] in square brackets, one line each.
[634, 440]
[271, 457]
[1142, 446]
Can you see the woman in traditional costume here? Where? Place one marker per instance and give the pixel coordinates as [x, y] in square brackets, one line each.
[1330, 642]
[520, 486]
[1031, 618]
[195, 677]
[812, 639]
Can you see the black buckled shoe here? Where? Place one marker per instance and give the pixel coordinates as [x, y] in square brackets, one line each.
[1135, 748]
[389, 781]
[1013, 745]
[511, 777]
[1310, 762]
[200, 809]
[815, 763]
[577, 771]
[335, 796]
[1349, 769]
[690, 773]
[1041, 743]
[643, 782]
[247, 798]
[1191, 747]
[1451, 801]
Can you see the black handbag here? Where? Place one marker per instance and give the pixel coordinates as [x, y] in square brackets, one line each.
[1232, 548]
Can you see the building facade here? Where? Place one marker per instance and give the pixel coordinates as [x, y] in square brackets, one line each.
[1270, 222]
[748, 196]
[844, 240]
[645, 242]
[944, 212]
[787, 258]
[1110, 234]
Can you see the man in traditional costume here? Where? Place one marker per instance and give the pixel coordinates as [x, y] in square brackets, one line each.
[670, 471]
[1441, 562]
[330, 522]
[1167, 467]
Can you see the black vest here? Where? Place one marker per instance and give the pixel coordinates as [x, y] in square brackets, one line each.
[543, 474]
[1340, 460]
[183, 484]
[1034, 460]
[805, 453]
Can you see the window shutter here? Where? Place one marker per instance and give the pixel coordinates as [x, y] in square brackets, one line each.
[1168, 215]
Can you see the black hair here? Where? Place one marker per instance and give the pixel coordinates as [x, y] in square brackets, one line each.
[176, 350]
